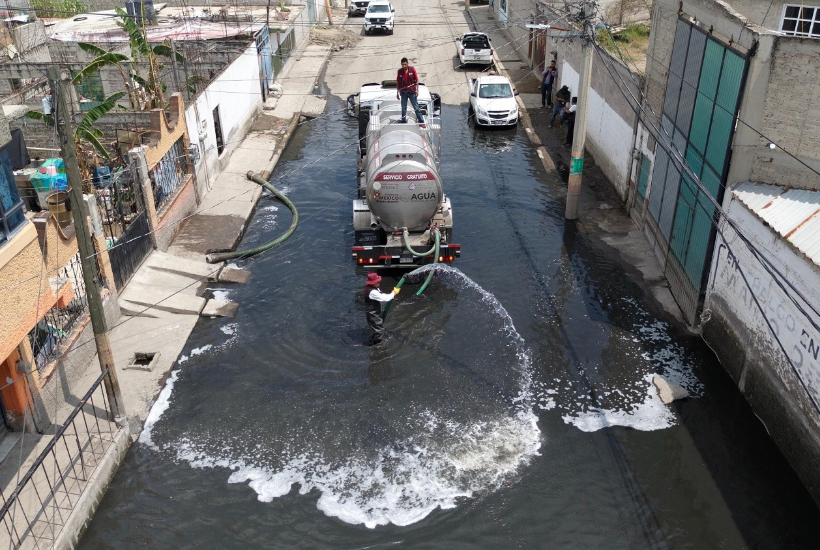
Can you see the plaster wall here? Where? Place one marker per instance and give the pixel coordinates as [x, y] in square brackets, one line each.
[24, 287]
[769, 363]
[611, 119]
[765, 14]
[237, 93]
[791, 116]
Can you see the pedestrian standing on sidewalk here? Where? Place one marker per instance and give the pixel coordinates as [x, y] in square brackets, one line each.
[570, 112]
[561, 99]
[408, 90]
[548, 76]
[373, 302]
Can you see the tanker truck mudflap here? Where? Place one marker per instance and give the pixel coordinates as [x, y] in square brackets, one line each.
[398, 181]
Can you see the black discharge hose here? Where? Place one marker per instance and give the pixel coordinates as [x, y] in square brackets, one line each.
[222, 256]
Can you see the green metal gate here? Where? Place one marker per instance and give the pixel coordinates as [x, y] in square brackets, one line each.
[702, 98]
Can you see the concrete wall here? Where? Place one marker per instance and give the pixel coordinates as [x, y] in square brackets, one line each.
[238, 95]
[611, 120]
[791, 115]
[736, 330]
[762, 13]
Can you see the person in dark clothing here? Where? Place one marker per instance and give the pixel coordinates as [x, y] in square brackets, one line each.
[374, 299]
[548, 76]
[407, 80]
[569, 110]
[561, 99]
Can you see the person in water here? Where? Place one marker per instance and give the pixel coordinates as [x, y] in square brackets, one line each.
[374, 300]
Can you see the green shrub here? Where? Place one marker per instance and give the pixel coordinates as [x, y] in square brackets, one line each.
[60, 9]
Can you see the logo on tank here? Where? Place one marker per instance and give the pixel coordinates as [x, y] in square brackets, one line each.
[423, 197]
[405, 176]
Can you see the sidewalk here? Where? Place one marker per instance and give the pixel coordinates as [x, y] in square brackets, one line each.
[600, 212]
[160, 307]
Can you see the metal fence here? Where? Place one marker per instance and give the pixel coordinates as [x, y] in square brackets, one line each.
[56, 325]
[169, 173]
[118, 202]
[34, 513]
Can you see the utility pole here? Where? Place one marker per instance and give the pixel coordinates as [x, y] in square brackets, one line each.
[580, 133]
[61, 91]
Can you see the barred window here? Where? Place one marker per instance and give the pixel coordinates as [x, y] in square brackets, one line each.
[801, 21]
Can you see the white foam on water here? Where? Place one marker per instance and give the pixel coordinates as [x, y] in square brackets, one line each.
[160, 406]
[200, 351]
[640, 407]
[401, 484]
[651, 414]
[221, 294]
[443, 461]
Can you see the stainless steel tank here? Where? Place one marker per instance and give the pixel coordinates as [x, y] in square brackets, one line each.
[403, 184]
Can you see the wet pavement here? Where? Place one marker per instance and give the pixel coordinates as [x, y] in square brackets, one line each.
[510, 407]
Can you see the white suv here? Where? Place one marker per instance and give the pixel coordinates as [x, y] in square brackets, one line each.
[379, 16]
[492, 101]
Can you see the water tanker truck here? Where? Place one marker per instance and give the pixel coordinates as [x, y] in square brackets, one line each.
[401, 215]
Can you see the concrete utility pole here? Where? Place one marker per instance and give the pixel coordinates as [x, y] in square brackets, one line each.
[61, 91]
[580, 133]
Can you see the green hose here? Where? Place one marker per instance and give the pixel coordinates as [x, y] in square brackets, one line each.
[435, 249]
[387, 306]
[222, 256]
[409, 248]
[435, 261]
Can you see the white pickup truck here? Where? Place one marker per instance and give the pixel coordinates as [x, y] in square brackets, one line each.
[474, 47]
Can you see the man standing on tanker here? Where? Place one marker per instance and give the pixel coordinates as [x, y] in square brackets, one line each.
[373, 302]
[408, 89]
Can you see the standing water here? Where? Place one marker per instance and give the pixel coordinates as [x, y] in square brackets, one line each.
[510, 406]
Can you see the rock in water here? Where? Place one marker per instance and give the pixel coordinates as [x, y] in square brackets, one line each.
[668, 391]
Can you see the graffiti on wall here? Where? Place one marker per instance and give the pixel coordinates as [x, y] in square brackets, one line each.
[774, 319]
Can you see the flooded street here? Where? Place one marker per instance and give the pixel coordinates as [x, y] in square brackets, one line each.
[511, 405]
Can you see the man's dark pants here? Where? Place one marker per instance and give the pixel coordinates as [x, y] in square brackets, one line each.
[546, 94]
[570, 130]
[374, 321]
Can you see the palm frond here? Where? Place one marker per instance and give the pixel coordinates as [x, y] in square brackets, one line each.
[136, 35]
[95, 142]
[91, 116]
[105, 59]
[37, 115]
[139, 80]
[91, 48]
[166, 51]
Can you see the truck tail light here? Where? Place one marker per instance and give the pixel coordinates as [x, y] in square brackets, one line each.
[462, 51]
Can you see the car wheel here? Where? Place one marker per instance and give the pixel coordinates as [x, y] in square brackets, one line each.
[390, 32]
[366, 32]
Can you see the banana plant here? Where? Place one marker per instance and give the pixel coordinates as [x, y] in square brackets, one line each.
[85, 133]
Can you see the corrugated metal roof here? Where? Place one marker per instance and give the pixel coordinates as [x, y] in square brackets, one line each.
[793, 213]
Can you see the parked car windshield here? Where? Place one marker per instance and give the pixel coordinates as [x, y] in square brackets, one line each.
[495, 90]
[379, 8]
